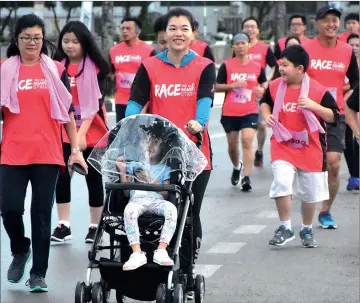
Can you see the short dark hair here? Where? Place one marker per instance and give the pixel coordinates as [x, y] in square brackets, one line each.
[290, 38]
[24, 22]
[303, 18]
[196, 25]
[160, 24]
[177, 12]
[352, 36]
[297, 55]
[137, 21]
[352, 16]
[250, 18]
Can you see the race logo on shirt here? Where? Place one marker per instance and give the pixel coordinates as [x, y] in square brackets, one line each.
[174, 90]
[327, 65]
[127, 58]
[290, 108]
[31, 84]
[244, 76]
[72, 81]
[255, 57]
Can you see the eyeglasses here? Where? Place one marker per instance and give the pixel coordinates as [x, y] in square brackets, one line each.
[37, 40]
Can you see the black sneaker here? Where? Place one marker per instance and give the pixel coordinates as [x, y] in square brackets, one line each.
[90, 238]
[307, 238]
[235, 177]
[282, 236]
[61, 234]
[258, 159]
[37, 284]
[16, 269]
[246, 184]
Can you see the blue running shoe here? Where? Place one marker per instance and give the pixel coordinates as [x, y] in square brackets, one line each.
[326, 220]
[353, 184]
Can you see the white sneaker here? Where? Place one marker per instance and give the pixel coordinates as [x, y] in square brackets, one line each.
[162, 258]
[136, 260]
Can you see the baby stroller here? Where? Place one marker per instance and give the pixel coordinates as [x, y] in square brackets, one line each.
[151, 281]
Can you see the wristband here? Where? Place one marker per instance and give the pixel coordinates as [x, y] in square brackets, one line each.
[75, 150]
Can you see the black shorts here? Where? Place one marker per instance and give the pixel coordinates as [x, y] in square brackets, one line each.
[120, 110]
[235, 124]
[336, 136]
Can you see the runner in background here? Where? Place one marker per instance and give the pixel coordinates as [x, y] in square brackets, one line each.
[297, 28]
[352, 113]
[351, 151]
[88, 72]
[159, 29]
[201, 47]
[352, 26]
[243, 81]
[262, 53]
[125, 59]
[330, 61]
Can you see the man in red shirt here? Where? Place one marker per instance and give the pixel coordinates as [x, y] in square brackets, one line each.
[352, 26]
[297, 27]
[125, 59]
[331, 61]
[201, 47]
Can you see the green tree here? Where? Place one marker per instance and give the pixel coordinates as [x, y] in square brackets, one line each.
[69, 6]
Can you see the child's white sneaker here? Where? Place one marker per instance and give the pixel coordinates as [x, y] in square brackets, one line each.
[162, 258]
[136, 260]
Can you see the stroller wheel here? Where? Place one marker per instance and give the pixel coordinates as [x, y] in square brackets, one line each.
[97, 293]
[106, 290]
[80, 293]
[119, 297]
[161, 293]
[199, 289]
[178, 294]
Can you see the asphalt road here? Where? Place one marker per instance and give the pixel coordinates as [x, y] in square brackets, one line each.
[236, 259]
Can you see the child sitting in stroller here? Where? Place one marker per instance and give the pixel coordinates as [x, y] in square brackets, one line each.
[148, 202]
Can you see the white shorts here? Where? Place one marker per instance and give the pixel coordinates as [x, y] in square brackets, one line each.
[312, 186]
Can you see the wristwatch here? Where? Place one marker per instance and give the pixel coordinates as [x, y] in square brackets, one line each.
[75, 150]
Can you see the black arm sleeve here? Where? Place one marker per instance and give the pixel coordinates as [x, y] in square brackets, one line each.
[65, 80]
[262, 77]
[270, 58]
[207, 83]
[153, 53]
[140, 89]
[103, 82]
[353, 101]
[277, 51]
[353, 72]
[222, 76]
[328, 101]
[208, 53]
[267, 99]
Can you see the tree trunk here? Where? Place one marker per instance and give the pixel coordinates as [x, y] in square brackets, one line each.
[107, 39]
[55, 18]
[281, 20]
[5, 22]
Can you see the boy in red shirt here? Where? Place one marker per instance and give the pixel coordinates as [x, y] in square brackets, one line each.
[352, 26]
[296, 107]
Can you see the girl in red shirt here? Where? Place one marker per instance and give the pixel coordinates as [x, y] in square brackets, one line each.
[243, 80]
[87, 70]
[35, 101]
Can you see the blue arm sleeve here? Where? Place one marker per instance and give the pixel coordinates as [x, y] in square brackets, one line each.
[203, 108]
[133, 108]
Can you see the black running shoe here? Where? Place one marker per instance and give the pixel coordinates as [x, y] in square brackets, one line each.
[282, 236]
[61, 234]
[235, 177]
[246, 184]
[17, 267]
[307, 238]
[37, 284]
[259, 159]
[90, 238]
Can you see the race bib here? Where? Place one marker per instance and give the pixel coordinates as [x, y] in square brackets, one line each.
[332, 91]
[77, 115]
[299, 139]
[124, 80]
[240, 95]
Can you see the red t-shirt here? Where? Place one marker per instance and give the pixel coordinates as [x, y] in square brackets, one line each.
[241, 101]
[258, 52]
[344, 36]
[199, 47]
[98, 126]
[312, 157]
[32, 136]
[126, 61]
[174, 94]
[282, 41]
[329, 66]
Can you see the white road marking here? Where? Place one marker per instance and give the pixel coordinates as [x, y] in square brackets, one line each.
[269, 214]
[226, 248]
[214, 136]
[249, 229]
[206, 270]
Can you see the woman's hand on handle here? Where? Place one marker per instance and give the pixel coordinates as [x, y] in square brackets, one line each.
[193, 127]
[77, 157]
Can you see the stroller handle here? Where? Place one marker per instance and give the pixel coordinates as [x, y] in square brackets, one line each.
[199, 138]
[143, 186]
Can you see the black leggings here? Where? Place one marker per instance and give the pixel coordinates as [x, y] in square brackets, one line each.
[93, 181]
[120, 111]
[351, 153]
[13, 184]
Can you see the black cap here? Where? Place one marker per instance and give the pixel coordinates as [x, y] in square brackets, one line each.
[326, 10]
